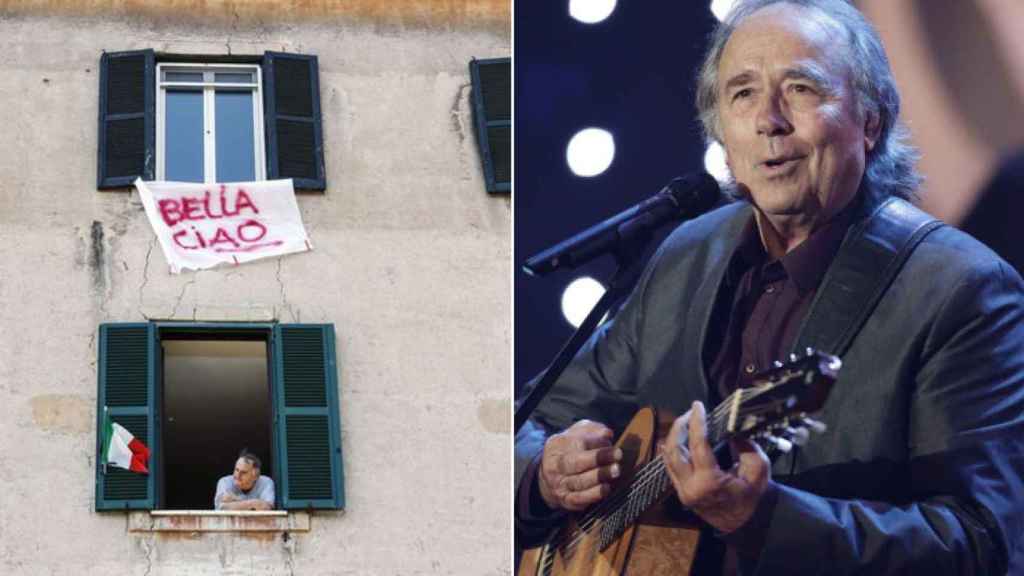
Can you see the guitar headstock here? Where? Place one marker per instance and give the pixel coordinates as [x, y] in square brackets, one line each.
[775, 408]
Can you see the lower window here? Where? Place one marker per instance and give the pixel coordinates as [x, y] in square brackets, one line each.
[197, 393]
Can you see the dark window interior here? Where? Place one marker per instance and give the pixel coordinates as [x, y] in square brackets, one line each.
[216, 401]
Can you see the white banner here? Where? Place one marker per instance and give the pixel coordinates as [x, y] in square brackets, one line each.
[203, 225]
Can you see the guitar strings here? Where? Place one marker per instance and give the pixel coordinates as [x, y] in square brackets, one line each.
[651, 473]
[654, 471]
[647, 475]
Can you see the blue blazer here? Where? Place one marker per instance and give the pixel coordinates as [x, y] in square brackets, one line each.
[921, 469]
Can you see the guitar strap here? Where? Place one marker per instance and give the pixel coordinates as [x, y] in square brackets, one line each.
[863, 270]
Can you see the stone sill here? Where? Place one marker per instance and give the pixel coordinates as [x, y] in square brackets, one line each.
[218, 521]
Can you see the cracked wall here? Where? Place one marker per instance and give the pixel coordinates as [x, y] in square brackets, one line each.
[411, 264]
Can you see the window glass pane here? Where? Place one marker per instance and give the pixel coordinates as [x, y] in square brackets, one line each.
[235, 140]
[183, 157]
[183, 76]
[234, 77]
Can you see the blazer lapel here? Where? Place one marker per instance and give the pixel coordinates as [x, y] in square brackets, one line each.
[720, 254]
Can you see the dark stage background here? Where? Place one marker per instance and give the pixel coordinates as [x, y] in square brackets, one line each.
[958, 65]
[632, 75]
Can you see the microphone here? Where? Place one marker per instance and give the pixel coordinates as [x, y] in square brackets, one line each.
[684, 197]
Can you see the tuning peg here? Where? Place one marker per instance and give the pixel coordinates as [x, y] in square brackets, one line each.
[798, 436]
[815, 426]
[793, 357]
[809, 351]
[777, 364]
[780, 444]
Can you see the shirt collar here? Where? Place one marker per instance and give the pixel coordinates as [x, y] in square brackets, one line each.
[807, 263]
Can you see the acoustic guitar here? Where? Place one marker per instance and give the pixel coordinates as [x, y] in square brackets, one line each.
[632, 531]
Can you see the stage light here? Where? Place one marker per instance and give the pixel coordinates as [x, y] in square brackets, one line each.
[714, 163]
[591, 11]
[579, 299]
[720, 8]
[590, 151]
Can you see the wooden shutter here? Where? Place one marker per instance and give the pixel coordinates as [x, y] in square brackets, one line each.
[127, 118]
[306, 419]
[291, 111]
[127, 376]
[492, 114]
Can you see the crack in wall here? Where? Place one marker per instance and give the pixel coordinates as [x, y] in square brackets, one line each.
[97, 265]
[145, 276]
[456, 111]
[285, 305]
[147, 544]
[289, 548]
[92, 344]
[181, 296]
[234, 30]
[458, 122]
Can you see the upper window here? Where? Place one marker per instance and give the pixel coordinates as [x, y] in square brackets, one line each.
[212, 120]
[209, 123]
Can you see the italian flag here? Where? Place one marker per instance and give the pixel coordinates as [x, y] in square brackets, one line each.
[121, 449]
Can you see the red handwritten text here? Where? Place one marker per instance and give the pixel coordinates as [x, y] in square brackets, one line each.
[195, 208]
[237, 235]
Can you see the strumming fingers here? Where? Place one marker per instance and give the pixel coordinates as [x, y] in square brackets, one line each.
[576, 501]
[591, 478]
[579, 462]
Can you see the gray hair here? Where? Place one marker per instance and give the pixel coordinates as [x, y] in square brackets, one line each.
[251, 458]
[890, 167]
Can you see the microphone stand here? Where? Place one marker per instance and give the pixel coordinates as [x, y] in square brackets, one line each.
[627, 258]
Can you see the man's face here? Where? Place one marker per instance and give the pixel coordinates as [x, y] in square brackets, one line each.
[789, 122]
[245, 474]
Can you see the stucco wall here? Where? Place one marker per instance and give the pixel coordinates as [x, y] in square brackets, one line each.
[411, 264]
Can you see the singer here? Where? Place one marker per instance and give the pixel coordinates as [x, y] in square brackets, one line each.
[920, 469]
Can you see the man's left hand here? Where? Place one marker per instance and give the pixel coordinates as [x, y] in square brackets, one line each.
[724, 499]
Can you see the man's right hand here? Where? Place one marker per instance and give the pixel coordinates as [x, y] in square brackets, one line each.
[578, 465]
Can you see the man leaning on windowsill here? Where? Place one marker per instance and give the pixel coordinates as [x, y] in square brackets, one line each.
[245, 489]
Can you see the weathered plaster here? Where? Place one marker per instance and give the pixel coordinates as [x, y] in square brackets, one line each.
[410, 263]
[447, 14]
[64, 413]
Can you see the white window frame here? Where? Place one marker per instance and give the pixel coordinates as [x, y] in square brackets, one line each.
[208, 88]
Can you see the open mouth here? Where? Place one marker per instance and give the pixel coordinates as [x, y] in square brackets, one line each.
[779, 164]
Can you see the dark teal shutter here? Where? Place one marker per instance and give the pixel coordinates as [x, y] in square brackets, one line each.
[306, 417]
[127, 376]
[127, 118]
[291, 111]
[492, 115]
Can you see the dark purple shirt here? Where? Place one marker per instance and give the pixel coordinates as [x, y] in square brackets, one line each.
[761, 305]
[767, 303]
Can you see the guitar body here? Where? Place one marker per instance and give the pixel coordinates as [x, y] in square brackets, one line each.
[641, 528]
[655, 545]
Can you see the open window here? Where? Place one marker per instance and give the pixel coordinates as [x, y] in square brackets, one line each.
[198, 393]
[216, 401]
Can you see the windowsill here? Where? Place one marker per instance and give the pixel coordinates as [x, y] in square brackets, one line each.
[218, 521]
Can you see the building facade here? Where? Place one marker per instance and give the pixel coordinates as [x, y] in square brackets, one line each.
[409, 270]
